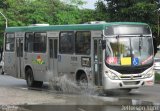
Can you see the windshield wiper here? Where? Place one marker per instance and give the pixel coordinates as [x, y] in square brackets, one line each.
[117, 37]
[140, 43]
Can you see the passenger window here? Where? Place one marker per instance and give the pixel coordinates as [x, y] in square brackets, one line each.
[29, 42]
[39, 42]
[83, 43]
[55, 49]
[66, 41]
[9, 42]
[51, 48]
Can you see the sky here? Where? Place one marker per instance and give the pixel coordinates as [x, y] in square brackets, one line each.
[89, 4]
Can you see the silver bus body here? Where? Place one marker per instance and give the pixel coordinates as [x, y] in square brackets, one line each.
[47, 57]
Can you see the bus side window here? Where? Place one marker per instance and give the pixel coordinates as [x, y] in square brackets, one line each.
[39, 42]
[66, 42]
[29, 42]
[83, 42]
[9, 42]
[55, 49]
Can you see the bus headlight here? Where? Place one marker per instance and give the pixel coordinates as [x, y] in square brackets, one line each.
[111, 75]
[149, 74]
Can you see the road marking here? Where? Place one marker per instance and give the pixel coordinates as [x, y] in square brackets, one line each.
[24, 88]
[80, 109]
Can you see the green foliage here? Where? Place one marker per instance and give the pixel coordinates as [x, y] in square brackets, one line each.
[26, 12]
[130, 10]
[157, 76]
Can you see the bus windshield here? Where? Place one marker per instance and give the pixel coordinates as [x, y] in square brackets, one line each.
[129, 51]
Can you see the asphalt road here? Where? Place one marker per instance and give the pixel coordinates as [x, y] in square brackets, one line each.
[151, 94]
[15, 91]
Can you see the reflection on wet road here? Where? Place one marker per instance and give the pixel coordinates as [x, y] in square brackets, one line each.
[120, 105]
[71, 108]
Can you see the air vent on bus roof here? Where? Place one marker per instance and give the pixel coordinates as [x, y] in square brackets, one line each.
[95, 22]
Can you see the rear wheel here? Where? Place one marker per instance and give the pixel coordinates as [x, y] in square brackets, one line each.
[30, 79]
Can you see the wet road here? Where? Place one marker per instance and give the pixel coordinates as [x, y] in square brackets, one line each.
[15, 91]
[151, 94]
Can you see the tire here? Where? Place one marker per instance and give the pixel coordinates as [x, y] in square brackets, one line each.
[38, 84]
[30, 79]
[1, 70]
[83, 80]
[127, 90]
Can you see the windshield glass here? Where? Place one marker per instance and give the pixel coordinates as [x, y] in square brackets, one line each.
[129, 51]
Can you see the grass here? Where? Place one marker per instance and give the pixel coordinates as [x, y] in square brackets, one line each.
[157, 76]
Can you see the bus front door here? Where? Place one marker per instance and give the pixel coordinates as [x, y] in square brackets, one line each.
[97, 62]
[19, 54]
[53, 56]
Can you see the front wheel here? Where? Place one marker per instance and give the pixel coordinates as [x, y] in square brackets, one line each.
[82, 81]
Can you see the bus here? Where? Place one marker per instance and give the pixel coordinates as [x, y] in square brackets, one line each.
[115, 55]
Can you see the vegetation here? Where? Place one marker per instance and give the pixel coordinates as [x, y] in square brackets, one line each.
[131, 10]
[26, 12]
[157, 77]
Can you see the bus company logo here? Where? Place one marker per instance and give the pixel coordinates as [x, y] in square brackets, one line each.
[38, 60]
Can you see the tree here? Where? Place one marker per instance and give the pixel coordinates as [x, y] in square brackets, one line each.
[26, 12]
[131, 11]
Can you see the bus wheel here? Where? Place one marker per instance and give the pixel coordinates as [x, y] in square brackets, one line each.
[29, 78]
[127, 90]
[38, 83]
[83, 80]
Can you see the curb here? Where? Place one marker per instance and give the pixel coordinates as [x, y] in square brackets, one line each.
[157, 82]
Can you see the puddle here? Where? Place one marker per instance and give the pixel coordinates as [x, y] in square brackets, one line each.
[120, 105]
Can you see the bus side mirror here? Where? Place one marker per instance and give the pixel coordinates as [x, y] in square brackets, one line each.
[103, 44]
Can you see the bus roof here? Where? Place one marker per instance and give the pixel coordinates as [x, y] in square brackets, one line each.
[69, 27]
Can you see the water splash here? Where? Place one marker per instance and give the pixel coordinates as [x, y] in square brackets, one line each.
[64, 84]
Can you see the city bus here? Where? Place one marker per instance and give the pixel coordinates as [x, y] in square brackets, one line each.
[115, 55]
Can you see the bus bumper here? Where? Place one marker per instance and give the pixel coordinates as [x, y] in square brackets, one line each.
[127, 84]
